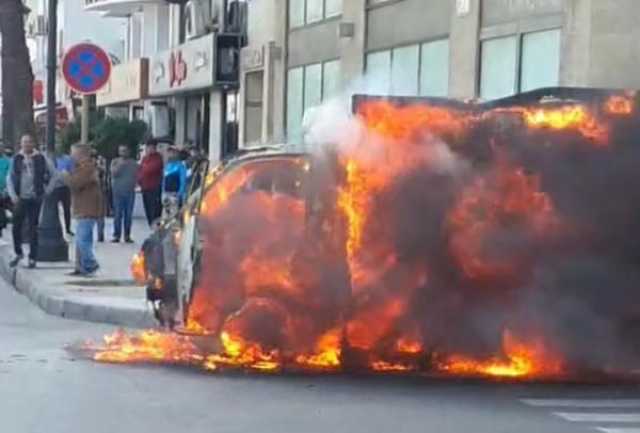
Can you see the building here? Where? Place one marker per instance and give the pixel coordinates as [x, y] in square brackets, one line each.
[74, 26]
[457, 48]
[300, 53]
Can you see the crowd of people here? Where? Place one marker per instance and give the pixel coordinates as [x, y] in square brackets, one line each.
[88, 189]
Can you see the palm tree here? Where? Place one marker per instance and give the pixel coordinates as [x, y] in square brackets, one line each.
[17, 76]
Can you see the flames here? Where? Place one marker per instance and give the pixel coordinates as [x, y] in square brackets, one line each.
[415, 255]
[138, 270]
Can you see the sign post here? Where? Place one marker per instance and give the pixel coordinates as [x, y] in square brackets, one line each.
[86, 69]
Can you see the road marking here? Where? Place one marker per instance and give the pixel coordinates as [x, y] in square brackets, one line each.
[586, 403]
[599, 417]
[619, 430]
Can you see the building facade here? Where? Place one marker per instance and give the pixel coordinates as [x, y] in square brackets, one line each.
[300, 53]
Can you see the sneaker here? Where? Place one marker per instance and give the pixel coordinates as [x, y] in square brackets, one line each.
[13, 263]
[32, 264]
[129, 241]
[100, 239]
[75, 273]
[115, 240]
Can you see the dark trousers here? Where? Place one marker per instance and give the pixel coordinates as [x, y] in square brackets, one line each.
[26, 210]
[123, 212]
[63, 195]
[152, 204]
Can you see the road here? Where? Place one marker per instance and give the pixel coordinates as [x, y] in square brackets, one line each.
[44, 390]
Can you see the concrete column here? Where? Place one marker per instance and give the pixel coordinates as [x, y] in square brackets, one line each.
[149, 30]
[464, 51]
[215, 126]
[352, 48]
[181, 120]
[162, 27]
[278, 63]
[576, 43]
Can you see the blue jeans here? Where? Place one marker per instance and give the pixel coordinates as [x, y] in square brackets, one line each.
[86, 262]
[123, 212]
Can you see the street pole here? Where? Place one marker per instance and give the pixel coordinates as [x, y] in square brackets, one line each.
[84, 125]
[51, 246]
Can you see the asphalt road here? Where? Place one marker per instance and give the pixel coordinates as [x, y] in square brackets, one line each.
[44, 390]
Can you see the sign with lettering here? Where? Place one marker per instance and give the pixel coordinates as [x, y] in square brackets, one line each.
[128, 82]
[187, 67]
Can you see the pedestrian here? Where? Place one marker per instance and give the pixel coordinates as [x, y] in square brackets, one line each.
[31, 177]
[174, 182]
[5, 164]
[61, 192]
[150, 181]
[101, 165]
[124, 173]
[86, 200]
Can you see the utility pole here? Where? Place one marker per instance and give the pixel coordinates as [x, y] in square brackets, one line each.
[52, 246]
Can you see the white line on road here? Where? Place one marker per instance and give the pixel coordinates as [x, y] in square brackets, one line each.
[599, 417]
[619, 430]
[586, 403]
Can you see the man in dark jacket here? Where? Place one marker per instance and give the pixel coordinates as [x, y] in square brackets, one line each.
[150, 180]
[31, 177]
[87, 206]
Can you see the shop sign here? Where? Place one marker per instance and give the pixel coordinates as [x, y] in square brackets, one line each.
[129, 82]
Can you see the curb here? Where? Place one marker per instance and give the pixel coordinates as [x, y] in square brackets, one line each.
[69, 308]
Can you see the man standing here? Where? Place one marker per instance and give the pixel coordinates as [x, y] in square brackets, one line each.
[124, 173]
[61, 191]
[86, 200]
[30, 178]
[150, 180]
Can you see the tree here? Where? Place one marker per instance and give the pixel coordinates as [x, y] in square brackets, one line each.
[17, 76]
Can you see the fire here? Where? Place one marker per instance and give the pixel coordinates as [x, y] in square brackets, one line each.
[138, 270]
[520, 359]
[427, 242]
[620, 105]
[575, 118]
[146, 347]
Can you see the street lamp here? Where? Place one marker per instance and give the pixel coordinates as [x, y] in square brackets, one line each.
[51, 246]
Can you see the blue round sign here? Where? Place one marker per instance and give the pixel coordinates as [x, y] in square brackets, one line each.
[86, 68]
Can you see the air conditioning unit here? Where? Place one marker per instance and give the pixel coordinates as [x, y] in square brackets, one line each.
[197, 18]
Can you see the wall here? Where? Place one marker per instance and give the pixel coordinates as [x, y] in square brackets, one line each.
[464, 51]
[314, 43]
[406, 22]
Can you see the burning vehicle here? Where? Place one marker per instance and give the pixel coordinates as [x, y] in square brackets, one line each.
[433, 236]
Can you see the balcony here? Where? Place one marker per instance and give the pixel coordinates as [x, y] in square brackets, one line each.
[118, 8]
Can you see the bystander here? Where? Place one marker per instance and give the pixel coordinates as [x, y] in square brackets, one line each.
[124, 173]
[150, 181]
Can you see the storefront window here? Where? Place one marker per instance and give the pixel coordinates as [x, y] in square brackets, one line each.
[404, 71]
[333, 8]
[295, 104]
[379, 71]
[434, 69]
[308, 87]
[540, 60]
[303, 12]
[498, 67]
[331, 80]
[314, 10]
[296, 13]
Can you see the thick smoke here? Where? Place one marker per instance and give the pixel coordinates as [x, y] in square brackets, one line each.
[473, 226]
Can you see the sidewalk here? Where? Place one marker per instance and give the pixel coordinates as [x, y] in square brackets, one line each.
[110, 297]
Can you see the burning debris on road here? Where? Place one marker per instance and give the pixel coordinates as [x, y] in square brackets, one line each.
[499, 242]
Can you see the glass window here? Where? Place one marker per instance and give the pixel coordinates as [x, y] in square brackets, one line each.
[254, 83]
[331, 80]
[333, 7]
[434, 69]
[404, 71]
[315, 10]
[295, 103]
[540, 60]
[498, 67]
[296, 13]
[379, 71]
[312, 86]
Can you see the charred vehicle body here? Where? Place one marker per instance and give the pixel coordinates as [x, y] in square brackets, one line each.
[432, 235]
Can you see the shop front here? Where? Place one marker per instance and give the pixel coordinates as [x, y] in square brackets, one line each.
[184, 77]
[127, 88]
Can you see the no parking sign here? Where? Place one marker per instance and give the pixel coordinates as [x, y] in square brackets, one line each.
[86, 68]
